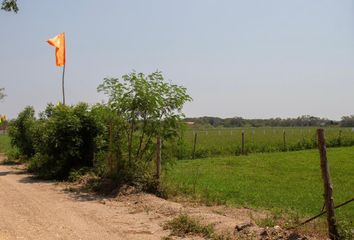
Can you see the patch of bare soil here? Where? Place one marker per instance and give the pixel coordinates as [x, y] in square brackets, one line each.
[32, 209]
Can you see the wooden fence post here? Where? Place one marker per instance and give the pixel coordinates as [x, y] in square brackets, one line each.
[158, 158]
[332, 229]
[243, 143]
[284, 140]
[194, 145]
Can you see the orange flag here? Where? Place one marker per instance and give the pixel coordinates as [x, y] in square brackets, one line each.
[59, 43]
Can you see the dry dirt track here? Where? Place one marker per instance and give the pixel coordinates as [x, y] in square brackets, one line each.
[39, 210]
[31, 209]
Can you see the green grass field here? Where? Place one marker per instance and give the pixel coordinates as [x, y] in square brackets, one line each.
[4, 143]
[283, 180]
[227, 141]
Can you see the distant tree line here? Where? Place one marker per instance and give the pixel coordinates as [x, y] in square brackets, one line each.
[302, 121]
[347, 121]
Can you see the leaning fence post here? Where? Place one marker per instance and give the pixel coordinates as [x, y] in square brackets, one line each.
[332, 229]
[158, 158]
[194, 145]
[243, 143]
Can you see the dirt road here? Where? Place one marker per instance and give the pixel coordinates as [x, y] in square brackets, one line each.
[40, 210]
[31, 209]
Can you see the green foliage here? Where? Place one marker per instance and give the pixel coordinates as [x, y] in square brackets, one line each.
[184, 225]
[13, 155]
[77, 174]
[4, 143]
[117, 139]
[64, 139]
[144, 107]
[21, 131]
[9, 5]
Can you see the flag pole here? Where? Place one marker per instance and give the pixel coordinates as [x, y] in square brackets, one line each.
[59, 43]
[62, 84]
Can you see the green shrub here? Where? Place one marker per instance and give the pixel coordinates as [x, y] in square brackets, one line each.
[184, 225]
[64, 139]
[145, 107]
[21, 132]
[13, 154]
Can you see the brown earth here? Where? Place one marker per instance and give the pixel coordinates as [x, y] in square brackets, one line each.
[31, 209]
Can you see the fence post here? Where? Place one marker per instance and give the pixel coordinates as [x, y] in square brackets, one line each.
[243, 143]
[194, 145]
[332, 229]
[284, 140]
[158, 158]
[340, 138]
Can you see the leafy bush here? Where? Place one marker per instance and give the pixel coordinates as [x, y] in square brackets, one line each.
[21, 132]
[117, 139]
[64, 139]
[145, 107]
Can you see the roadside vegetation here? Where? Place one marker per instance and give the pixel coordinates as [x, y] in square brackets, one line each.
[115, 140]
[184, 225]
[4, 143]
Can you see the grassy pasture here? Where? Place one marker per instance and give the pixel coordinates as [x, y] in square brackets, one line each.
[282, 180]
[227, 141]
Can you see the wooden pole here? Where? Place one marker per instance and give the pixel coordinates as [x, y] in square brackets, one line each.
[158, 158]
[332, 229]
[284, 140]
[194, 145]
[243, 142]
[62, 85]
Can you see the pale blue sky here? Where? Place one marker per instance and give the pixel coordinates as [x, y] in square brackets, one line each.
[255, 59]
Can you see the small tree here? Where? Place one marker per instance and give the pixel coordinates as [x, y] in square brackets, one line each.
[148, 107]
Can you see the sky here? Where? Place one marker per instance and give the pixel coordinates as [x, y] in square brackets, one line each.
[247, 58]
